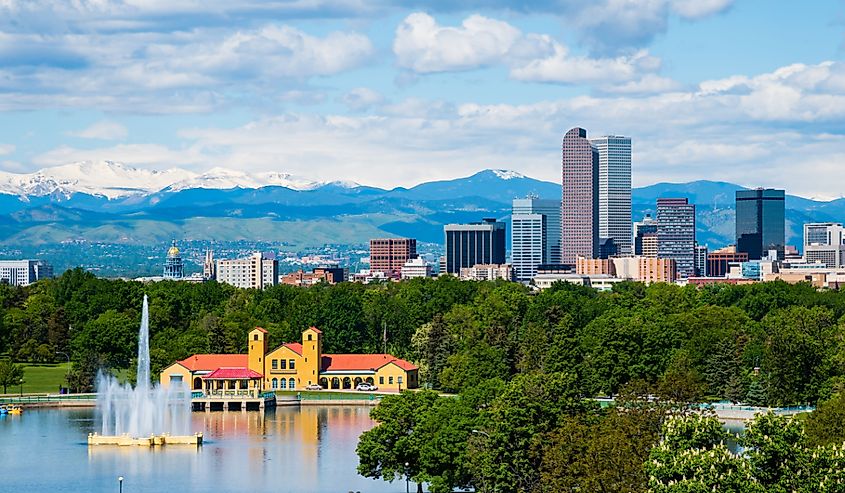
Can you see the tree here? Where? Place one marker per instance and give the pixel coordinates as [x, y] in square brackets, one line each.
[776, 451]
[10, 374]
[826, 425]
[384, 450]
[757, 394]
[681, 383]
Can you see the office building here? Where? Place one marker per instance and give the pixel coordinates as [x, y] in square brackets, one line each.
[719, 261]
[388, 255]
[824, 243]
[579, 197]
[487, 272]
[535, 235]
[473, 243]
[676, 234]
[648, 226]
[24, 272]
[701, 260]
[607, 248]
[760, 222]
[614, 189]
[634, 268]
[254, 272]
[328, 275]
[416, 267]
[174, 269]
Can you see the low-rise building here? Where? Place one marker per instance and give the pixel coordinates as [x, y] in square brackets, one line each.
[291, 366]
[328, 275]
[416, 267]
[487, 272]
[24, 272]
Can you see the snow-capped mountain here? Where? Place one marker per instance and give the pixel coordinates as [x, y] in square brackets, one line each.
[116, 180]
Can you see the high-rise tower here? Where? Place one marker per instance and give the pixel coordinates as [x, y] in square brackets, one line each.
[760, 222]
[579, 197]
[676, 234]
[615, 190]
[535, 235]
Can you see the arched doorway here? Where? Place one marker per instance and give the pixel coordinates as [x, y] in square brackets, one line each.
[324, 382]
[197, 383]
[347, 383]
[291, 384]
[370, 381]
[357, 381]
[335, 383]
[275, 383]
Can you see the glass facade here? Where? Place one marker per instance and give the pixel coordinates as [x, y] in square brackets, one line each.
[474, 243]
[579, 197]
[676, 234]
[760, 222]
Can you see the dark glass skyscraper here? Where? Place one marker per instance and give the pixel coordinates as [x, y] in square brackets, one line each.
[760, 222]
[474, 243]
[676, 234]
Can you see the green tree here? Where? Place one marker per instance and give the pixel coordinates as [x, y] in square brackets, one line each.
[826, 425]
[10, 374]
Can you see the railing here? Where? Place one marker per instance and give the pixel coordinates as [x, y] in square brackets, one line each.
[720, 406]
[337, 396]
[225, 394]
[31, 399]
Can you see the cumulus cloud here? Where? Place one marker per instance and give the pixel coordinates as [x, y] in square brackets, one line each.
[103, 130]
[6, 149]
[424, 46]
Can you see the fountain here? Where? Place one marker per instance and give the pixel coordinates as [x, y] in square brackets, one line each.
[146, 414]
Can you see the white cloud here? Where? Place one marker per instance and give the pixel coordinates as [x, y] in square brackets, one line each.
[695, 9]
[424, 46]
[362, 98]
[6, 149]
[103, 130]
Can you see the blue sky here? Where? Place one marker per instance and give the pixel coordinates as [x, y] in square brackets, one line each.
[392, 93]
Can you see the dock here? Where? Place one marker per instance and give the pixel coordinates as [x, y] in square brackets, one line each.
[232, 400]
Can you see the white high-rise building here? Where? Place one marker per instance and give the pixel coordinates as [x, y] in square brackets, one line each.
[255, 271]
[825, 243]
[615, 190]
[535, 235]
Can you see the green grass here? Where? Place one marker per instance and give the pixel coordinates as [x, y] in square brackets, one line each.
[40, 379]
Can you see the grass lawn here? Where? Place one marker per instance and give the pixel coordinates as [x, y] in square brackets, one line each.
[40, 379]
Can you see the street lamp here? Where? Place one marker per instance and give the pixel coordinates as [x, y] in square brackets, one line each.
[407, 480]
[120, 483]
[21, 384]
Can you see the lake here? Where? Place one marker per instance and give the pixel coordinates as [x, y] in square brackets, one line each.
[309, 449]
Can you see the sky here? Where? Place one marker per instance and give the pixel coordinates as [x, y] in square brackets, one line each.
[394, 93]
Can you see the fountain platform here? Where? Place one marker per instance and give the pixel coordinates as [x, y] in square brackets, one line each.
[152, 440]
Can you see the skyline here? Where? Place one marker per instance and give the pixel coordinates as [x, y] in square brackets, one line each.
[388, 95]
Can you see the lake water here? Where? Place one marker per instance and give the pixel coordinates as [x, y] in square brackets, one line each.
[291, 450]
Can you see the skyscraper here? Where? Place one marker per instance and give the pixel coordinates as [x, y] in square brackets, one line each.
[614, 190]
[676, 234]
[760, 222]
[535, 235]
[579, 197]
[388, 255]
[474, 243]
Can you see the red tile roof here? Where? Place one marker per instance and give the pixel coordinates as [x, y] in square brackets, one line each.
[261, 329]
[232, 374]
[294, 346]
[315, 329]
[210, 362]
[359, 362]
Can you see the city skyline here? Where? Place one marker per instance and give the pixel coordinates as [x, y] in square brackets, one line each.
[278, 88]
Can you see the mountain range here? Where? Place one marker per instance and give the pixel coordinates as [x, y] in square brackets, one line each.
[110, 202]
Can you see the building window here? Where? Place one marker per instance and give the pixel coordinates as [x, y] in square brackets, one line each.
[292, 384]
[399, 380]
[283, 364]
[275, 364]
[291, 365]
[275, 383]
[381, 380]
[390, 380]
[283, 382]
[254, 337]
[309, 337]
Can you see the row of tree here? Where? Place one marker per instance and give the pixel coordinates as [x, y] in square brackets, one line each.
[768, 343]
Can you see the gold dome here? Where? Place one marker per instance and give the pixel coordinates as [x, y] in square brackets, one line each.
[173, 251]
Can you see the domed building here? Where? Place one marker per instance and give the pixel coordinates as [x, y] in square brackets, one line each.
[173, 266]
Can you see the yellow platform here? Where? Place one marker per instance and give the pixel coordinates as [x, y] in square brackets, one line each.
[126, 440]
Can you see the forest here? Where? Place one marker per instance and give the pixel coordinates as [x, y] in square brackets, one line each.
[765, 344]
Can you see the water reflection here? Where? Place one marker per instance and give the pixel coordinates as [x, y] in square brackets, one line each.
[293, 450]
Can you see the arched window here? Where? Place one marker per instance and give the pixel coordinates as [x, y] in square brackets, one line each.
[292, 383]
[275, 383]
[284, 383]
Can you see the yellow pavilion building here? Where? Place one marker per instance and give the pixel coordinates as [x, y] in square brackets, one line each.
[291, 366]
